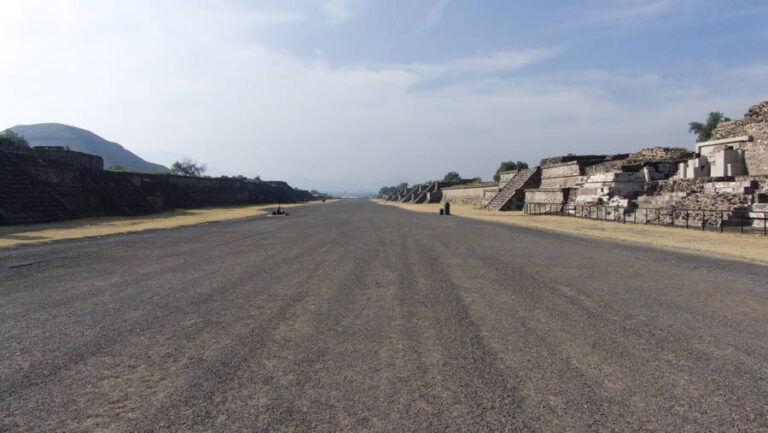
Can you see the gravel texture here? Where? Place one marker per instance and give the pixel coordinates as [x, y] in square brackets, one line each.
[359, 317]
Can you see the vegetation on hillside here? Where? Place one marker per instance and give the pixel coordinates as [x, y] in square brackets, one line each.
[188, 167]
[507, 166]
[243, 178]
[14, 138]
[452, 176]
[387, 190]
[704, 130]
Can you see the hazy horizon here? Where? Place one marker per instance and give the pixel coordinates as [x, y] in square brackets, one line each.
[350, 95]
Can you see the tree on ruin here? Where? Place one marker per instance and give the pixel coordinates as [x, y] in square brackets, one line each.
[188, 167]
[705, 130]
[452, 176]
[14, 138]
[508, 166]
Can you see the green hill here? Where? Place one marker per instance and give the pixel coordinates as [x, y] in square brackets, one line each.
[56, 134]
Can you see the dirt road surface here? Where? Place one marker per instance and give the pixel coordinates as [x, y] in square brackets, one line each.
[360, 317]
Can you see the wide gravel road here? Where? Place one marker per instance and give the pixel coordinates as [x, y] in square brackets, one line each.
[354, 316]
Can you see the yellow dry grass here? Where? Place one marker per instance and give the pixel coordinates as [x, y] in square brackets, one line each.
[12, 236]
[746, 247]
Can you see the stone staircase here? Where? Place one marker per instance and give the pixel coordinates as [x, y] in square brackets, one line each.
[423, 196]
[514, 190]
[23, 200]
[413, 193]
[408, 196]
[126, 197]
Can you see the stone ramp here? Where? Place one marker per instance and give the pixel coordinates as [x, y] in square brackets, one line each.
[514, 190]
[23, 200]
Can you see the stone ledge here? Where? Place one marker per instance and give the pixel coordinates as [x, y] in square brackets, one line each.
[739, 139]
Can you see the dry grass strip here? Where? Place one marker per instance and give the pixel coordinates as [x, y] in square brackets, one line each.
[750, 248]
[11, 236]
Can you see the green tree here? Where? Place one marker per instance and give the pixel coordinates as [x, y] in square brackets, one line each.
[14, 138]
[188, 167]
[452, 176]
[704, 130]
[507, 166]
[117, 168]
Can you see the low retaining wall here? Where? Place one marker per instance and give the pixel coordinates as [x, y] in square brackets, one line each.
[36, 183]
[476, 195]
[546, 195]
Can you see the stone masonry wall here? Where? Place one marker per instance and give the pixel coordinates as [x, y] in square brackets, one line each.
[72, 179]
[564, 175]
[477, 195]
[755, 124]
[63, 156]
[546, 195]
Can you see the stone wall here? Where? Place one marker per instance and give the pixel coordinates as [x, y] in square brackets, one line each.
[602, 187]
[75, 183]
[702, 194]
[546, 195]
[476, 195]
[583, 160]
[661, 153]
[62, 156]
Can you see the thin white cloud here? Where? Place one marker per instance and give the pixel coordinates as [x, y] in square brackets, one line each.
[494, 63]
[434, 15]
[336, 11]
[267, 18]
[628, 10]
[757, 71]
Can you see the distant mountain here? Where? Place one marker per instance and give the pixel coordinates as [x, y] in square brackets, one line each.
[56, 134]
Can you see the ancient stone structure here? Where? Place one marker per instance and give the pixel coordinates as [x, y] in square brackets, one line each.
[729, 172]
[53, 183]
[477, 194]
[724, 181]
[717, 158]
[560, 175]
[512, 186]
[754, 125]
[619, 180]
[429, 192]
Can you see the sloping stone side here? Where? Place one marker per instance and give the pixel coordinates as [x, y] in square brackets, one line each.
[23, 199]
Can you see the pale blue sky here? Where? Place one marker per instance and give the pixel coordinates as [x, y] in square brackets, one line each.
[352, 94]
